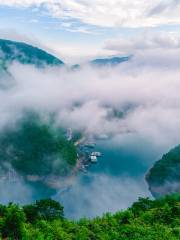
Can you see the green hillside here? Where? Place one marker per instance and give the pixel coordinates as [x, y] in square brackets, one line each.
[35, 148]
[25, 54]
[164, 177]
[44, 220]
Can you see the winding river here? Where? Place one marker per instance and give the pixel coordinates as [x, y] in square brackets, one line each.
[115, 181]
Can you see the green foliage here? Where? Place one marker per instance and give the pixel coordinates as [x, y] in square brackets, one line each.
[145, 220]
[13, 225]
[164, 176]
[35, 148]
[46, 209]
[25, 54]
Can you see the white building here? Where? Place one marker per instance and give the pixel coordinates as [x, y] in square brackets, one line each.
[97, 154]
[93, 159]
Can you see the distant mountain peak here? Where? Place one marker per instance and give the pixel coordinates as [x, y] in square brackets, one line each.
[26, 54]
[112, 61]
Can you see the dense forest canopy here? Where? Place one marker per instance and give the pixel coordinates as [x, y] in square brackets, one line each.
[145, 220]
[34, 147]
[164, 177]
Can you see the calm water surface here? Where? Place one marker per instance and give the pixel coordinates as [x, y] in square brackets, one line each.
[101, 189]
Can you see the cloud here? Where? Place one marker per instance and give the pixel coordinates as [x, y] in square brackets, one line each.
[145, 90]
[15, 191]
[148, 40]
[139, 98]
[102, 193]
[163, 6]
[104, 13]
[14, 35]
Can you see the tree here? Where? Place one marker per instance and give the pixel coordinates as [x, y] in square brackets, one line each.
[14, 220]
[46, 209]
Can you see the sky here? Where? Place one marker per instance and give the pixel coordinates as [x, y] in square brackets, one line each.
[76, 30]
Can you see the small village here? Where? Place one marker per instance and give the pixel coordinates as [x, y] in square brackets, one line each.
[86, 152]
[87, 155]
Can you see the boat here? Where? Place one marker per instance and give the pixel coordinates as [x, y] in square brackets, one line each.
[93, 159]
[97, 154]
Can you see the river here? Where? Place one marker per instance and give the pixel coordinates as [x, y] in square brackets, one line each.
[115, 181]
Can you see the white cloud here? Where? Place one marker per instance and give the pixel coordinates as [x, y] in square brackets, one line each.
[13, 35]
[24, 3]
[105, 13]
[151, 41]
[69, 53]
[15, 191]
[104, 193]
[146, 89]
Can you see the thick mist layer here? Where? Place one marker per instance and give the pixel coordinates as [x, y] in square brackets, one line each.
[102, 193]
[145, 94]
[140, 97]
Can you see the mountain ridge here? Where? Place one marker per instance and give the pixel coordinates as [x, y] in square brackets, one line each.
[25, 54]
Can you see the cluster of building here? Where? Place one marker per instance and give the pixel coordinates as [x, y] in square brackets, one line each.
[94, 156]
[85, 154]
[88, 156]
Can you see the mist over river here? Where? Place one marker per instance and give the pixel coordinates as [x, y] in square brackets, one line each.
[116, 181]
[136, 102]
[113, 183]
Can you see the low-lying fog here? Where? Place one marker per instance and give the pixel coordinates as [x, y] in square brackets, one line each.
[145, 91]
